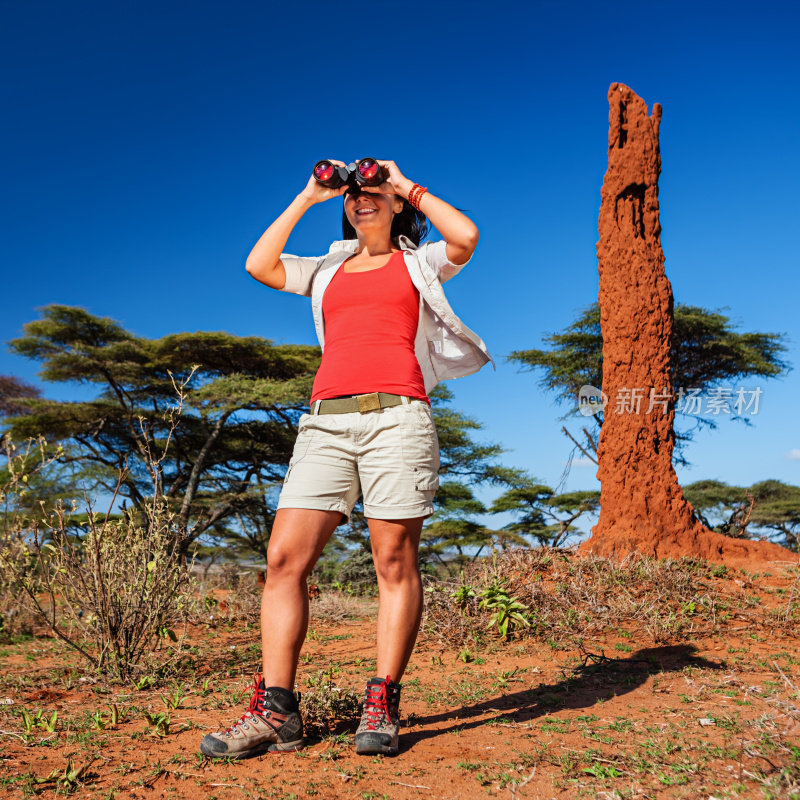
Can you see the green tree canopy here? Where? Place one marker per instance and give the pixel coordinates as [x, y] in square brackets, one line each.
[453, 536]
[706, 352]
[543, 516]
[13, 393]
[777, 510]
[242, 398]
[770, 507]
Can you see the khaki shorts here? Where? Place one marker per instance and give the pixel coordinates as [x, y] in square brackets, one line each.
[390, 455]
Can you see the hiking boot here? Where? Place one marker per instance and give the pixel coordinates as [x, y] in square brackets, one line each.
[271, 724]
[380, 721]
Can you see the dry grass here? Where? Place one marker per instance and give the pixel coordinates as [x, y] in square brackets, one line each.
[338, 606]
[567, 597]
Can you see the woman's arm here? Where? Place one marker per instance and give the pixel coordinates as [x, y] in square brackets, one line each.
[264, 262]
[458, 230]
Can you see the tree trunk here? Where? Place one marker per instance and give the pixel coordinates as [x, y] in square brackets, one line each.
[642, 507]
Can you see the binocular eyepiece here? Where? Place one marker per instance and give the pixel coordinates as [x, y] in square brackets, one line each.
[364, 172]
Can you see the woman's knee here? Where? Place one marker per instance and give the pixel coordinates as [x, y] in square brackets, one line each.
[395, 565]
[286, 563]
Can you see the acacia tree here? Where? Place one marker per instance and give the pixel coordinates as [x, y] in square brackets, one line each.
[720, 507]
[771, 507]
[542, 515]
[706, 352]
[13, 393]
[777, 510]
[242, 398]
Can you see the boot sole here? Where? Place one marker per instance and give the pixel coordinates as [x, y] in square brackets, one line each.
[270, 748]
[286, 747]
[370, 747]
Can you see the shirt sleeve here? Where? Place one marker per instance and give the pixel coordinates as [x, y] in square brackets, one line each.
[300, 272]
[436, 256]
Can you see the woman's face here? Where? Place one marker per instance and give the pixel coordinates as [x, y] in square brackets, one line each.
[370, 211]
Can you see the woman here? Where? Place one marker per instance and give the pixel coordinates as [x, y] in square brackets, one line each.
[388, 336]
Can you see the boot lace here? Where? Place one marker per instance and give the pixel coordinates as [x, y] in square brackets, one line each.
[256, 705]
[376, 703]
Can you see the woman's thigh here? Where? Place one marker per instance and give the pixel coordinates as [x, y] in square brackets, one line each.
[398, 463]
[298, 537]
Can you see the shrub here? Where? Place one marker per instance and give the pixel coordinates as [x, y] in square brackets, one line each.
[15, 617]
[112, 594]
[327, 707]
[109, 586]
[357, 572]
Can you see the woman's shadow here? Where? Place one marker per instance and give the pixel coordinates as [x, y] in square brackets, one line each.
[598, 678]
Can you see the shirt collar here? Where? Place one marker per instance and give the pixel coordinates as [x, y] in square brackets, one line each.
[351, 245]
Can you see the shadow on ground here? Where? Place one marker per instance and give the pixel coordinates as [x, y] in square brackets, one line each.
[598, 679]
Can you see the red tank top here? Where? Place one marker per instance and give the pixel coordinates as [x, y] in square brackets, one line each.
[370, 321]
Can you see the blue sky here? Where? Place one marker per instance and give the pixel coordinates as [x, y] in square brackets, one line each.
[146, 147]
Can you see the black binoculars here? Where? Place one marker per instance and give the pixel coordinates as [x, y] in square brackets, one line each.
[364, 172]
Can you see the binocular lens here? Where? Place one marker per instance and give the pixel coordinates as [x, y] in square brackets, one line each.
[368, 169]
[366, 172]
[323, 171]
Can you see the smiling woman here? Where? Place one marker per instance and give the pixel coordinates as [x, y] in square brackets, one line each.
[388, 336]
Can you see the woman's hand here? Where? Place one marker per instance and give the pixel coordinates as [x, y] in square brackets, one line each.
[396, 183]
[315, 192]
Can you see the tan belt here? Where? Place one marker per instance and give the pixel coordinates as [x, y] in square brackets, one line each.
[359, 402]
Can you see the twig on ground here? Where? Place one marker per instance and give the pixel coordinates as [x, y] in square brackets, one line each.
[18, 735]
[410, 785]
[515, 787]
[789, 683]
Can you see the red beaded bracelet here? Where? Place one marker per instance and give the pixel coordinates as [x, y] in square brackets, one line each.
[415, 195]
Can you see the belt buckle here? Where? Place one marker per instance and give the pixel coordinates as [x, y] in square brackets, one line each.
[368, 402]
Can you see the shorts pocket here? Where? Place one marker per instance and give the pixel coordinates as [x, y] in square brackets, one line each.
[421, 450]
[425, 481]
[423, 413]
[301, 447]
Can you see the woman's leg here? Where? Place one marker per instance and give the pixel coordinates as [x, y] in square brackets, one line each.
[272, 722]
[297, 539]
[395, 550]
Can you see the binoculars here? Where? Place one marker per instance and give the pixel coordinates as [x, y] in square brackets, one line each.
[364, 172]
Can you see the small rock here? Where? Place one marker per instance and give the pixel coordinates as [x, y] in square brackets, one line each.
[706, 721]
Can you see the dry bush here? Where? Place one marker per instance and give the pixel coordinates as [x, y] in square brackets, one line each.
[326, 707]
[227, 594]
[338, 606]
[111, 587]
[568, 596]
[21, 465]
[15, 618]
[112, 595]
[215, 601]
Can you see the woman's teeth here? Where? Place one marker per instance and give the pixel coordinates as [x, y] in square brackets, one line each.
[362, 211]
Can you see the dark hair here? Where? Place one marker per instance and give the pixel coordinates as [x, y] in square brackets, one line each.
[409, 222]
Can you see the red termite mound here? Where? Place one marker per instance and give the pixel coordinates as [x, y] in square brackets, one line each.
[642, 507]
